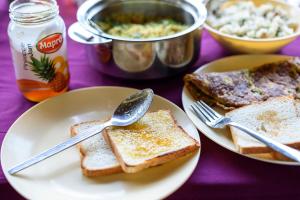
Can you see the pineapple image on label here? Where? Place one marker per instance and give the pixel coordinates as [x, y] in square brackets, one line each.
[44, 68]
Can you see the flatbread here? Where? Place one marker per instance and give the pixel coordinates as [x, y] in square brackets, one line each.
[235, 89]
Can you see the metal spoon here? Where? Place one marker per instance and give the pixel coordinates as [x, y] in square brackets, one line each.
[129, 111]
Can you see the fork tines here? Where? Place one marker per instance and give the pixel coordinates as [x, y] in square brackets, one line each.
[204, 112]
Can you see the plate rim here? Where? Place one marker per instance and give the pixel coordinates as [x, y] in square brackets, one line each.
[186, 95]
[197, 154]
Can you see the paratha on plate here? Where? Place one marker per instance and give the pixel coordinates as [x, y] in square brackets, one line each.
[234, 89]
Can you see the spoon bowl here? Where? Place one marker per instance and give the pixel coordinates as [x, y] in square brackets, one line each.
[132, 108]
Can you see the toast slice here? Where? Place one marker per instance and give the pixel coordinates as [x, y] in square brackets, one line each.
[153, 140]
[277, 118]
[97, 158]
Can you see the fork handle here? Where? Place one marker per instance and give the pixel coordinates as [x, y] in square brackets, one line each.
[277, 146]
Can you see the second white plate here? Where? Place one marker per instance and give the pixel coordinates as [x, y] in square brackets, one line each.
[223, 136]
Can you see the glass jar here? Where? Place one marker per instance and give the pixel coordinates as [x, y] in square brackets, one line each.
[37, 37]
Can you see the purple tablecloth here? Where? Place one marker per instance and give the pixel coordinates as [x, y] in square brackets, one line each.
[219, 174]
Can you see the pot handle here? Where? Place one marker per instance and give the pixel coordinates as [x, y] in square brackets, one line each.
[77, 33]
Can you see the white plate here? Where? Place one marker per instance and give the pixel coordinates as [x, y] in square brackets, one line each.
[59, 177]
[223, 136]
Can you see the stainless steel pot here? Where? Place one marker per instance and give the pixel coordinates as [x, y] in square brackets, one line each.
[140, 58]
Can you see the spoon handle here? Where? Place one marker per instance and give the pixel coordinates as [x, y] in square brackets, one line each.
[60, 147]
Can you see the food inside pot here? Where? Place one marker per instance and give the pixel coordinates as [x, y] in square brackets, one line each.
[140, 27]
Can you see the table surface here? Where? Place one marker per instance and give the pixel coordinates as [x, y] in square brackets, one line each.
[219, 174]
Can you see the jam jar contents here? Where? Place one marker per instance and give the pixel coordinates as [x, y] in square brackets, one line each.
[38, 45]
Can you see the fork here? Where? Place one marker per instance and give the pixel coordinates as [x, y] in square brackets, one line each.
[213, 119]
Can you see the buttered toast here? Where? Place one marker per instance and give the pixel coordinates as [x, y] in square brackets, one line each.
[153, 140]
[277, 118]
[96, 157]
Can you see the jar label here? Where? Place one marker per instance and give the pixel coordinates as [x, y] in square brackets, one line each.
[41, 65]
[50, 43]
